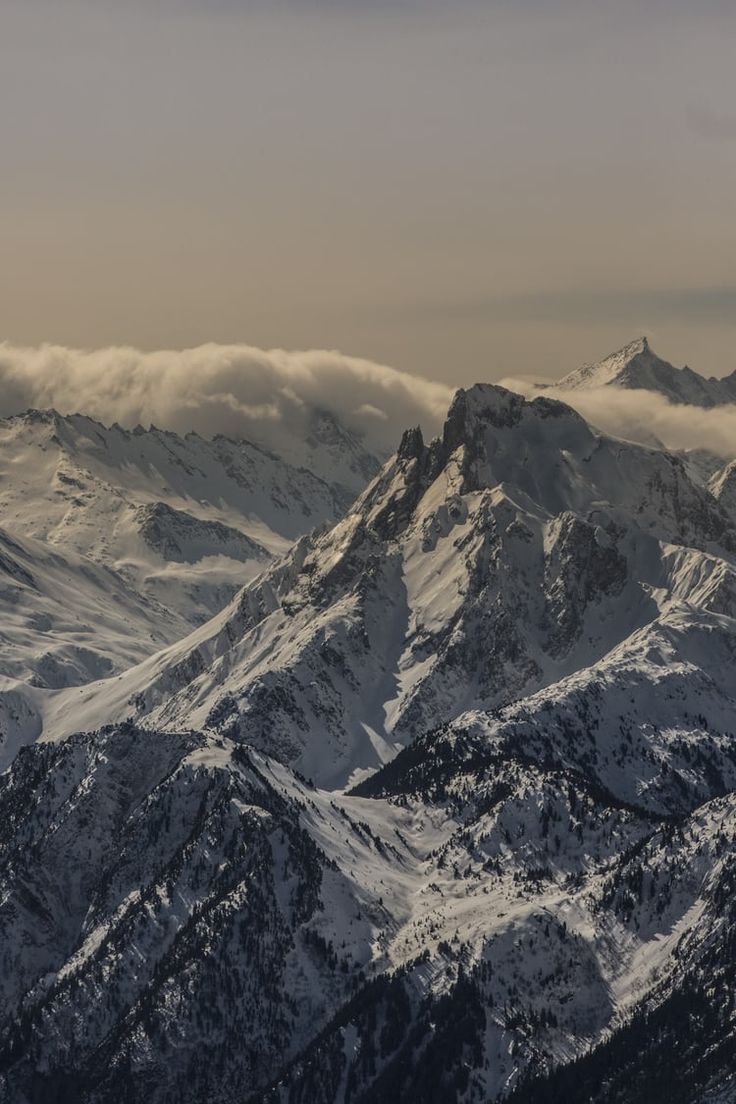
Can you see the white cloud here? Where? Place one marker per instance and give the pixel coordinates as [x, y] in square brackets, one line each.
[232, 389]
[243, 391]
[645, 416]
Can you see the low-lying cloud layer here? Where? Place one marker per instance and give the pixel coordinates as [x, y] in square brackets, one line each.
[264, 395]
[232, 389]
[646, 416]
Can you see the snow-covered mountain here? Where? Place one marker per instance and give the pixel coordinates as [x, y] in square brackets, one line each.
[440, 807]
[114, 543]
[325, 447]
[658, 413]
[90, 622]
[145, 501]
[182, 522]
[636, 366]
[517, 551]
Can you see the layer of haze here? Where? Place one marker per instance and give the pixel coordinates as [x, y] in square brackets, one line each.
[464, 191]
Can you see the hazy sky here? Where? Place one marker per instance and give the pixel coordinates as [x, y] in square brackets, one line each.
[466, 190]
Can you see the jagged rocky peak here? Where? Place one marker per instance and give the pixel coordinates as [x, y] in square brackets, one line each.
[35, 421]
[501, 432]
[476, 412]
[479, 406]
[51, 416]
[35, 415]
[638, 347]
[411, 446]
[486, 405]
[542, 453]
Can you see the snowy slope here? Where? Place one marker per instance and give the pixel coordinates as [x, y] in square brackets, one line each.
[637, 366]
[518, 551]
[115, 543]
[153, 505]
[65, 620]
[509, 671]
[326, 448]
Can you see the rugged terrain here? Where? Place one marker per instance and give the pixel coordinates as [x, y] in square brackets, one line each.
[439, 807]
[114, 542]
[153, 506]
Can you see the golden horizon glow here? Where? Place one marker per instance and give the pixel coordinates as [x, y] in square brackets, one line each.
[465, 191]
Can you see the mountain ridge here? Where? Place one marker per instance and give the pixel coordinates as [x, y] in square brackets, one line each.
[637, 367]
[109, 494]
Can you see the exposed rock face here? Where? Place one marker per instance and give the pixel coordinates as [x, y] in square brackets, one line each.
[582, 564]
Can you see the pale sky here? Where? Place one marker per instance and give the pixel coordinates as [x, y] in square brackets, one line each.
[463, 190]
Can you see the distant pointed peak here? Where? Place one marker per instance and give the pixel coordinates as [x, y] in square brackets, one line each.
[637, 367]
[636, 356]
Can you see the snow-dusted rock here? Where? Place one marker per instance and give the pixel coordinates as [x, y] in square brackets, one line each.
[636, 366]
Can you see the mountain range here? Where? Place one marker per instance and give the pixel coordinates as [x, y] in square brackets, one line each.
[440, 805]
[115, 542]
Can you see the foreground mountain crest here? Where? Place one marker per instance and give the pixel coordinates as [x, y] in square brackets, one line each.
[439, 807]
